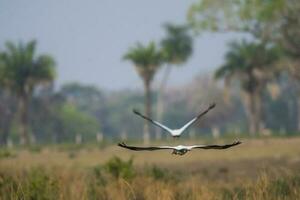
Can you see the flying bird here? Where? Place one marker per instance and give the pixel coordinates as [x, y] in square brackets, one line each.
[175, 132]
[180, 149]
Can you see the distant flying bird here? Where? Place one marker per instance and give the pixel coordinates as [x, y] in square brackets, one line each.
[175, 132]
[180, 149]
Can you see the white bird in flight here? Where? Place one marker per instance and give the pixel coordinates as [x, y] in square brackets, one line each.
[175, 132]
[180, 149]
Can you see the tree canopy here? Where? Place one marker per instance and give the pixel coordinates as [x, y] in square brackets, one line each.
[177, 46]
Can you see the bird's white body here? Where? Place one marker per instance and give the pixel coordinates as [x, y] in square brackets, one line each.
[176, 132]
[179, 147]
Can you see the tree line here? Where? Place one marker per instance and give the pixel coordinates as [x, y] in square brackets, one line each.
[260, 90]
[271, 55]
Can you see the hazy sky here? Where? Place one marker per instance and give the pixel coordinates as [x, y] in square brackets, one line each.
[88, 38]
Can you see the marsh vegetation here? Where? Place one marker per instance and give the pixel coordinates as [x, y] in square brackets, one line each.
[258, 169]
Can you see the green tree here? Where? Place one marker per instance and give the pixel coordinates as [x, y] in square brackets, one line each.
[87, 98]
[251, 64]
[6, 107]
[22, 70]
[254, 17]
[277, 21]
[45, 109]
[7, 111]
[119, 113]
[177, 47]
[72, 121]
[147, 60]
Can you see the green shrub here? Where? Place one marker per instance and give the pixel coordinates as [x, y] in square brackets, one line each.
[8, 186]
[35, 148]
[234, 193]
[97, 183]
[119, 168]
[280, 188]
[6, 153]
[295, 182]
[226, 194]
[98, 175]
[158, 173]
[72, 154]
[162, 174]
[40, 186]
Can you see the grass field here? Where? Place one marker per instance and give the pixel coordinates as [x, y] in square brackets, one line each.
[257, 169]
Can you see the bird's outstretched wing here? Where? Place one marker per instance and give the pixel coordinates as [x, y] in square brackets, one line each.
[152, 121]
[197, 117]
[225, 146]
[122, 144]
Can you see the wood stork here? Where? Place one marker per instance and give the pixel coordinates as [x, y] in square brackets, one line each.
[175, 132]
[180, 149]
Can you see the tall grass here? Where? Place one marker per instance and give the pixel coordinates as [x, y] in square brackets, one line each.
[117, 179]
[257, 169]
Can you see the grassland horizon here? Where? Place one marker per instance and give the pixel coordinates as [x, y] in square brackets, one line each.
[258, 169]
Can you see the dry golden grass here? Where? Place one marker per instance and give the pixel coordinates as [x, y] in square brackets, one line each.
[250, 149]
[257, 169]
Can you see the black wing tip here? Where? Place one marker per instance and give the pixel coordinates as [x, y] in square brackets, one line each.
[212, 105]
[122, 144]
[136, 111]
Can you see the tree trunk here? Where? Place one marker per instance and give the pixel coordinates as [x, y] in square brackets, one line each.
[249, 104]
[23, 106]
[6, 116]
[298, 113]
[2, 124]
[5, 126]
[253, 116]
[226, 89]
[160, 100]
[148, 111]
[259, 122]
[2, 121]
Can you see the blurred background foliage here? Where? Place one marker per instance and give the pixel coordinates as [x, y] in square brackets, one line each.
[256, 89]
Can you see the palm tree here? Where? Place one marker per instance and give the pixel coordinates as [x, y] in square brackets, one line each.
[177, 47]
[289, 39]
[147, 60]
[6, 107]
[22, 71]
[252, 65]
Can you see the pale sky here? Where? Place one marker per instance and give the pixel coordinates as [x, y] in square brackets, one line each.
[88, 38]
